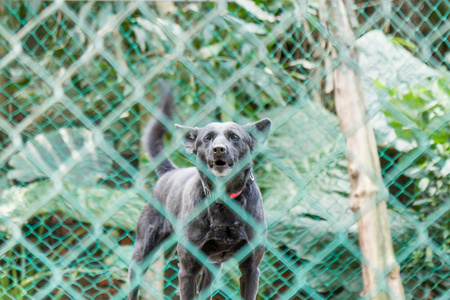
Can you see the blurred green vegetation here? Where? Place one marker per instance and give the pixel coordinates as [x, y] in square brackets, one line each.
[248, 63]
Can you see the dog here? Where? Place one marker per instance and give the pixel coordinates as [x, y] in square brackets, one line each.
[222, 152]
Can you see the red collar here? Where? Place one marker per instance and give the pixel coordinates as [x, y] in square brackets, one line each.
[232, 196]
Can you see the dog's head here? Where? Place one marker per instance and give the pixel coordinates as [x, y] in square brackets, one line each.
[220, 146]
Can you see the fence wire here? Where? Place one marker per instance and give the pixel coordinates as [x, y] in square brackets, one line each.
[80, 79]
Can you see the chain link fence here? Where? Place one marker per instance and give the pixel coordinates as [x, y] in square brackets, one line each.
[80, 79]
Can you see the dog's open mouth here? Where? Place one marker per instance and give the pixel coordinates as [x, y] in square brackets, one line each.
[220, 167]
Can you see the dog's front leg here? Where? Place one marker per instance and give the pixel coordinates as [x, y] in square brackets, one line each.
[206, 280]
[187, 275]
[250, 275]
[249, 283]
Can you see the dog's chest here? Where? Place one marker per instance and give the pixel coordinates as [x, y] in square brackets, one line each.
[226, 234]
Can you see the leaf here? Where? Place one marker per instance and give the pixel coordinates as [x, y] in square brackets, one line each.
[413, 172]
[423, 183]
[140, 38]
[98, 200]
[253, 28]
[327, 191]
[382, 61]
[156, 29]
[208, 33]
[255, 10]
[53, 151]
[422, 202]
[34, 7]
[379, 85]
[247, 51]
[211, 50]
[446, 168]
[268, 83]
[273, 90]
[405, 43]
[245, 26]
[306, 64]
[428, 254]
[298, 76]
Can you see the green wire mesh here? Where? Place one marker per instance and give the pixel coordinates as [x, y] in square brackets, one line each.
[80, 79]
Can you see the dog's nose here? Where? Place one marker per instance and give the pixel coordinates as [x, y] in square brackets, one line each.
[219, 149]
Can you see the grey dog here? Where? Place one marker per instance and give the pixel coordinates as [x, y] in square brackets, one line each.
[218, 232]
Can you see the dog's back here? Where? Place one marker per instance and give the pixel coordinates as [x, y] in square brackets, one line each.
[176, 189]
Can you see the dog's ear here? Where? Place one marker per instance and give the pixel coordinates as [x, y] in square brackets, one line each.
[190, 135]
[259, 131]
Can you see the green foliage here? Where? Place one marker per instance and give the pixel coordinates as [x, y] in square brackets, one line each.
[59, 226]
[72, 169]
[426, 108]
[425, 123]
[307, 213]
[114, 207]
[22, 276]
[69, 151]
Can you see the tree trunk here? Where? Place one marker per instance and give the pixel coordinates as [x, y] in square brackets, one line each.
[380, 270]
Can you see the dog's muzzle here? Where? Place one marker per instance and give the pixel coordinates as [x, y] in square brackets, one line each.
[220, 163]
[220, 167]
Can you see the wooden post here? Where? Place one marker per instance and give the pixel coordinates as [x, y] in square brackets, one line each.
[380, 270]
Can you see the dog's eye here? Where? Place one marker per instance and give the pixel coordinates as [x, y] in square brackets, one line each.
[207, 138]
[234, 137]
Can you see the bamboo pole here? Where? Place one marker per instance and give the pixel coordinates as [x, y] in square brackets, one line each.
[380, 270]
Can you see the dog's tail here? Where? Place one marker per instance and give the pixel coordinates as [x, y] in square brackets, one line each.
[154, 134]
